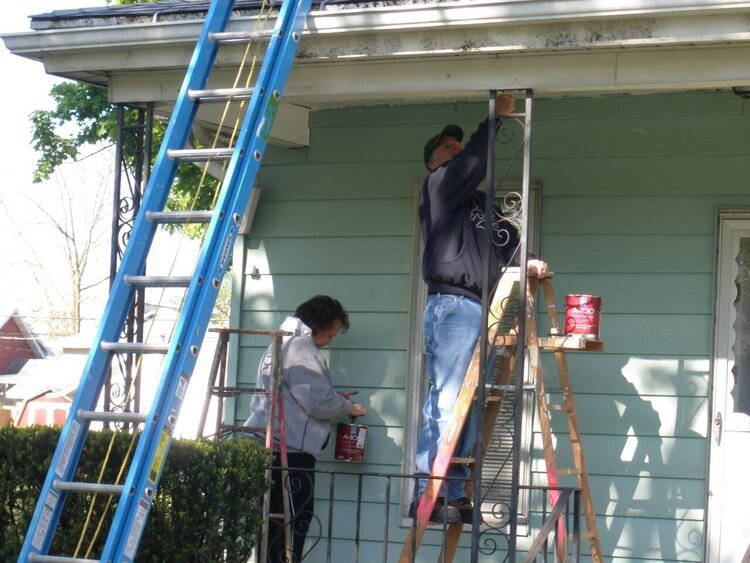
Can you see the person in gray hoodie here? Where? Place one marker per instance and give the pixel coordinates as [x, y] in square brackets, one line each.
[310, 404]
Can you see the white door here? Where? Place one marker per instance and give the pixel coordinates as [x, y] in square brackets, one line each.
[729, 472]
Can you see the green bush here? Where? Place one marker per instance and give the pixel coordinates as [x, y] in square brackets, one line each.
[208, 506]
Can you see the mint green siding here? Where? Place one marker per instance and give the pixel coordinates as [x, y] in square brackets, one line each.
[630, 190]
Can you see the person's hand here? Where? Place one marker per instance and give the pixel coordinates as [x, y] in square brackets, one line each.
[505, 104]
[537, 268]
[357, 410]
[348, 394]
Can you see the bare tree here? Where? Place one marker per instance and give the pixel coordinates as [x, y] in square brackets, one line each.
[78, 222]
[33, 262]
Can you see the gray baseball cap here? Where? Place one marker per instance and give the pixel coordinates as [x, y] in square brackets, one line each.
[448, 131]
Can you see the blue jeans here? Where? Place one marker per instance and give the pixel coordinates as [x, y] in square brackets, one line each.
[451, 329]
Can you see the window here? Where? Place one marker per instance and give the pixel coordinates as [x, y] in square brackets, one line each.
[496, 471]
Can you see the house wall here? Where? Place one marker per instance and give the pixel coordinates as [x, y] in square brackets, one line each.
[14, 348]
[630, 189]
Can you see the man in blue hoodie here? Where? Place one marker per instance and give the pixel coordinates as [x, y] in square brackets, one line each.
[451, 213]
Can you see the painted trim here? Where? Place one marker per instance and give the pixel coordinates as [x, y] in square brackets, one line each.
[411, 17]
[730, 223]
[414, 392]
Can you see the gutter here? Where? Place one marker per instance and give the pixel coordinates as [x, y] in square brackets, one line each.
[348, 22]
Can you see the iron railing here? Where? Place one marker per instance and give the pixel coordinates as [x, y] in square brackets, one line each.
[356, 517]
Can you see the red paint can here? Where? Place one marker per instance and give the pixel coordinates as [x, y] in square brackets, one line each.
[350, 442]
[582, 314]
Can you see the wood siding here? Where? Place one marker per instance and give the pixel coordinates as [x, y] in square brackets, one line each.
[630, 189]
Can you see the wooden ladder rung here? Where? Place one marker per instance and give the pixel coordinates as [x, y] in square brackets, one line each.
[557, 407]
[568, 471]
[463, 460]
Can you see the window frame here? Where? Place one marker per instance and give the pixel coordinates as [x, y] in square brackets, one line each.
[415, 380]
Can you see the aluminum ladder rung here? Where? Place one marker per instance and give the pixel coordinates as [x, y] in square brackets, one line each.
[200, 155]
[220, 94]
[103, 416]
[235, 37]
[135, 493]
[462, 460]
[231, 391]
[134, 347]
[158, 281]
[170, 217]
[79, 487]
[54, 558]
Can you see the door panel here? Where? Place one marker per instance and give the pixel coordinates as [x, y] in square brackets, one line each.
[729, 480]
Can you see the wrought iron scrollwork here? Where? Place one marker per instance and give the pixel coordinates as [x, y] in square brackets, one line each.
[132, 165]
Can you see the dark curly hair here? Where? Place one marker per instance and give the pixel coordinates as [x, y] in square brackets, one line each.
[321, 311]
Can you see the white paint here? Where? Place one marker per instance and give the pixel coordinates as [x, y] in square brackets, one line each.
[290, 126]
[372, 55]
[728, 525]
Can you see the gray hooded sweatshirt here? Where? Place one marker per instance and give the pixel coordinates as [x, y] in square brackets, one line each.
[310, 402]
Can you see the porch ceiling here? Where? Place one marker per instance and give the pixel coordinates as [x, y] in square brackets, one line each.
[444, 51]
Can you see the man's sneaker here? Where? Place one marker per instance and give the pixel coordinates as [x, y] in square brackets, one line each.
[465, 510]
[441, 513]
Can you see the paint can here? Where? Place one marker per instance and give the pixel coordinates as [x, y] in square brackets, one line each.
[350, 442]
[582, 314]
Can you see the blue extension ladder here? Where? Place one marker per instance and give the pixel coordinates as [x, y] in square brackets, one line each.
[137, 493]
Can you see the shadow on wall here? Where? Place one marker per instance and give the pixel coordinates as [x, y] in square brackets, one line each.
[656, 507]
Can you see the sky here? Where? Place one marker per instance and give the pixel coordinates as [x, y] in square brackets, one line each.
[34, 277]
[26, 236]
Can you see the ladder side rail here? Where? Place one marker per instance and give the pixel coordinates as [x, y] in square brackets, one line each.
[578, 459]
[220, 397]
[521, 331]
[545, 423]
[273, 385]
[154, 443]
[219, 353]
[555, 515]
[65, 459]
[573, 429]
[479, 405]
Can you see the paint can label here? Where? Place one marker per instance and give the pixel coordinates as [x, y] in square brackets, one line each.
[582, 314]
[351, 440]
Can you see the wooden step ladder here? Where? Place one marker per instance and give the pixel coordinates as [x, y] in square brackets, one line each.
[501, 332]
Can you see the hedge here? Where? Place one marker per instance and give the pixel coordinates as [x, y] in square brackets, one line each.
[208, 506]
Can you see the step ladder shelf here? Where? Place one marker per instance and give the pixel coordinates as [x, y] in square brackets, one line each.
[144, 470]
[571, 343]
[552, 343]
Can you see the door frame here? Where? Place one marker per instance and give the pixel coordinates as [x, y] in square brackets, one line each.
[729, 221]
